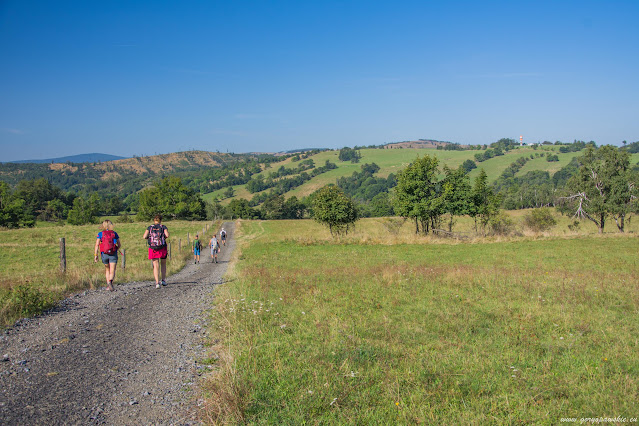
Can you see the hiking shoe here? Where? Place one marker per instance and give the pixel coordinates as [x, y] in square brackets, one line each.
[163, 282]
[157, 285]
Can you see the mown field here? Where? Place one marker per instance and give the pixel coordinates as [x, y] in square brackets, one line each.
[30, 277]
[387, 328]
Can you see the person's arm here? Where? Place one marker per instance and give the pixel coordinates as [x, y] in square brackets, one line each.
[146, 234]
[95, 249]
[166, 232]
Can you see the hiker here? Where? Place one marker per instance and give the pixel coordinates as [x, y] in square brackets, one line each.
[223, 237]
[108, 243]
[157, 235]
[197, 247]
[215, 248]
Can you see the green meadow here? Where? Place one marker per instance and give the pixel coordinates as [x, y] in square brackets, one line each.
[394, 160]
[30, 275]
[383, 327]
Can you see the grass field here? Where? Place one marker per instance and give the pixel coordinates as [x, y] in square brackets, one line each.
[30, 277]
[394, 160]
[381, 328]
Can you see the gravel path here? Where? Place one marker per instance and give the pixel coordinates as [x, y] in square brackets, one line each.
[124, 357]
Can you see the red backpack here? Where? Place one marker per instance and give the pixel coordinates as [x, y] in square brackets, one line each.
[107, 243]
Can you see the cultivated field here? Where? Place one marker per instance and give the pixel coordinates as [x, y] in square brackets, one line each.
[385, 328]
[30, 277]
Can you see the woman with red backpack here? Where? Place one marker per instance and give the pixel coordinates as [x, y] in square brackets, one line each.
[108, 243]
[157, 235]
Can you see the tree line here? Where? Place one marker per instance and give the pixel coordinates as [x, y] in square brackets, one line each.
[599, 186]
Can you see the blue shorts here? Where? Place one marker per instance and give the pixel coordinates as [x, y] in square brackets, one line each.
[196, 252]
[109, 258]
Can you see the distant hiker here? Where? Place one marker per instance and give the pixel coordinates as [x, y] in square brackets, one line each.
[197, 246]
[157, 235]
[215, 249]
[108, 243]
[223, 237]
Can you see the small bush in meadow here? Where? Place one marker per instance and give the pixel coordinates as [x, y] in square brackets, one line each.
[540, 220]
[124, 218]
[501, 224]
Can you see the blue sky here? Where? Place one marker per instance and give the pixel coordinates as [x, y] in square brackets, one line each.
[144, 77]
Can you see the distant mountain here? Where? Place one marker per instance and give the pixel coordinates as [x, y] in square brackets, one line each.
[80, 158]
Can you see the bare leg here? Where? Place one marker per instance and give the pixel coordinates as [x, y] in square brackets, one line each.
[156, 270]
[107, 272]
[113, 267]
[163, 261]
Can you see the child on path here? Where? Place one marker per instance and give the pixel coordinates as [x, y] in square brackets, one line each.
[108, 243]
[157, 234]
[223, 237]
[197, 247]
[215, 248]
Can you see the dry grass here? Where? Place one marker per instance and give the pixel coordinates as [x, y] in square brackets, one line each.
[30, 277]
[518, 330]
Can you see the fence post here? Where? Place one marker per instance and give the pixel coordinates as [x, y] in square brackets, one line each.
[179, 244]
[123, 259]
[63, 256]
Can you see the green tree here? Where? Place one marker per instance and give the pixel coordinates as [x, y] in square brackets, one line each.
[293, 208]
[229, 192]
[469, 165]
[240, 208]
[172, 199]
[485, 203]
[14, 212]
[334, 209]
[604, 186]
[456, 194]
[416, 195]
[349, 154]
[540, 220]
[273, 207]
[214, 210]
[82, 212]
[55, 210]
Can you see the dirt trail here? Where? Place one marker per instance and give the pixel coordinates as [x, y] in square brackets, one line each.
[124, 357]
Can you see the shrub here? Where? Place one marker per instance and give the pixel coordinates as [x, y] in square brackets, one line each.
[574, 226]
[539, 220]
[124, 218]
[501, 224]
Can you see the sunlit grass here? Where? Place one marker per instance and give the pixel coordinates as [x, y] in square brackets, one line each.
[30, 262]
[374, 330]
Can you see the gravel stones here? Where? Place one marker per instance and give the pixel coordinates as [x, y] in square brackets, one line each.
[122, 357]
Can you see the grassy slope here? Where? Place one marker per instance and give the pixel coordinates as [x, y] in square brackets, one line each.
[388, 330]
[394, 160]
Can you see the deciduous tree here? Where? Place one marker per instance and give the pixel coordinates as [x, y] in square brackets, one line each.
[334, 209]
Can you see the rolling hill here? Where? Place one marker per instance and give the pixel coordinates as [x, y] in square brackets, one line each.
[394, 160]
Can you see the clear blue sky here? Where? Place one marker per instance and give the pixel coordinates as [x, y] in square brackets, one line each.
[143, 77]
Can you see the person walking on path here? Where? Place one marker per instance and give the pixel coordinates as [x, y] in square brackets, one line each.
[215, 248]
[108, 243]
[157, 234]
[223, 237]
[197, 247]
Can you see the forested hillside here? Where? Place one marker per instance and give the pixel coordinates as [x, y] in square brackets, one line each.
[276, 187]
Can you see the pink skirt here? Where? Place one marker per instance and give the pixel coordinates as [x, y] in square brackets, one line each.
[157, 253]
